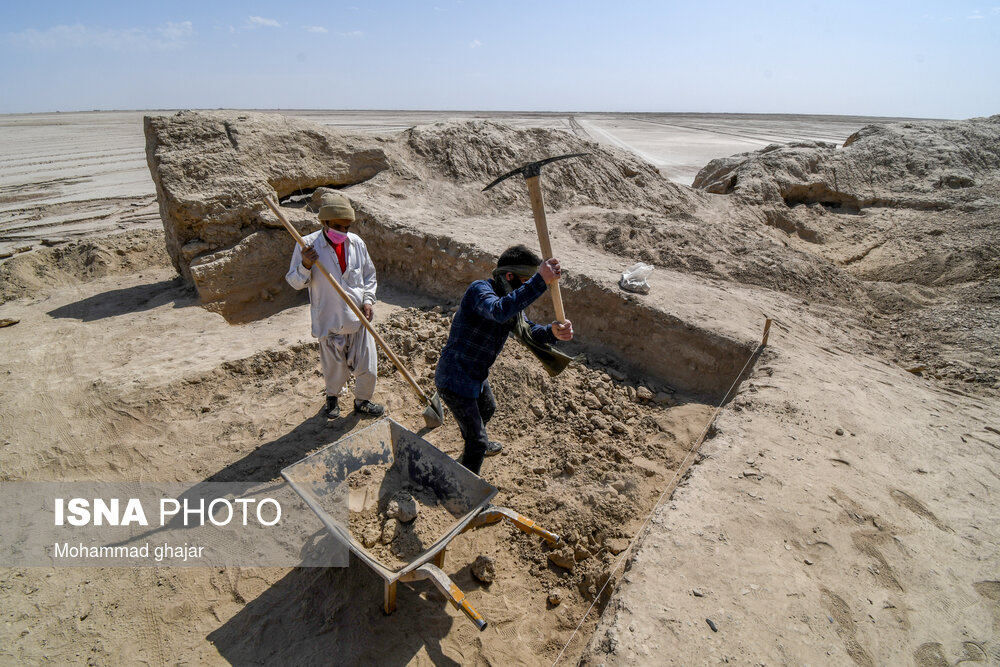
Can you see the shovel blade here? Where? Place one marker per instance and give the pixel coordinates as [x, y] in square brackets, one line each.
[433, 413]
[555, 365]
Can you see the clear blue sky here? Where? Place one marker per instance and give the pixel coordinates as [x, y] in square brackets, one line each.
[926, 59]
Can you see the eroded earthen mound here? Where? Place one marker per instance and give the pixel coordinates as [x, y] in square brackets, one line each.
[212, 171]
[918, 164]
[908, 210]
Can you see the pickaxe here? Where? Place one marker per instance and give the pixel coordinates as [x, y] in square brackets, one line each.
[532, 172]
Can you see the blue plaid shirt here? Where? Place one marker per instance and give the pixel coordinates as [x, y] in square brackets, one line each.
[479, 331]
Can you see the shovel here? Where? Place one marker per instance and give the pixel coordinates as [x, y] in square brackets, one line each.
[433, 414]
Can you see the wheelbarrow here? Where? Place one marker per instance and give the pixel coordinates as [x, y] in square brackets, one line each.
[404, 457]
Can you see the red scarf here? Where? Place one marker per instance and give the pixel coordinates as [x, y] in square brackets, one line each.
[341, 254]
[341, 257]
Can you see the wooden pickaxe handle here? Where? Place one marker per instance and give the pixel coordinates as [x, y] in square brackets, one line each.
[538, 209]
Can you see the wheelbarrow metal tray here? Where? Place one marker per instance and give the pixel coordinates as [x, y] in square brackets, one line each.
[320, 480]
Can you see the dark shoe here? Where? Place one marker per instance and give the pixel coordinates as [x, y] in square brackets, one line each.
[493, 448]
[332, 407]
[368, 408]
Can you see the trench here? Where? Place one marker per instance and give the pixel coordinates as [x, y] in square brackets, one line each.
[691, 359]
[587, 456]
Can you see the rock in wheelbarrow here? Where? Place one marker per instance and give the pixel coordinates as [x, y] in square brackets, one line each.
[389, 531]
[402, 507]
[371, 536]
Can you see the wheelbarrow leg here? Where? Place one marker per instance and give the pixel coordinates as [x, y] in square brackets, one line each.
[390, 597]
[439, 558]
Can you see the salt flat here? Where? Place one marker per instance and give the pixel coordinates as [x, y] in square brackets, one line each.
[96, 160]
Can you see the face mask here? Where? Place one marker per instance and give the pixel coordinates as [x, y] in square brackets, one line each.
[335, 236]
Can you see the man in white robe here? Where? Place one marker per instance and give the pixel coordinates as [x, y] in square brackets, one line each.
[345, 346]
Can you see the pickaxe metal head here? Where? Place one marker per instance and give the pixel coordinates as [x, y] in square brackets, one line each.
[531, 169]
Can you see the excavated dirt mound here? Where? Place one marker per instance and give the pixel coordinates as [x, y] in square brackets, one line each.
[27, 273]
[474, 153]
[905, 215]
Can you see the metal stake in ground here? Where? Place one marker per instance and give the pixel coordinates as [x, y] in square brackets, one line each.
[532, 172]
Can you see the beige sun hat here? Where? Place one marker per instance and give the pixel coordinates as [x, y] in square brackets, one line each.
[333, 206]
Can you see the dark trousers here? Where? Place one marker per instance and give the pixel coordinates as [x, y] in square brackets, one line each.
[472, 415]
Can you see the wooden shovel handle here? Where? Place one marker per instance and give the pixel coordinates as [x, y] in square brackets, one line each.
[349, 301]
[541, 226]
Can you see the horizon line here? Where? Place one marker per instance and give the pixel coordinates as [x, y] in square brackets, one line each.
[472, 111]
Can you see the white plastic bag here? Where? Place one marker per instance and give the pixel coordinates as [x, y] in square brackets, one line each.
[634, 278]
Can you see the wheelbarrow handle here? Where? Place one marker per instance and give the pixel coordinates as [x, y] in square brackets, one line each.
[447, 587]
[470, 611]
[494, 514]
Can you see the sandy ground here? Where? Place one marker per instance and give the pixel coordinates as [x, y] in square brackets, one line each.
[841, 509]
[844, 512]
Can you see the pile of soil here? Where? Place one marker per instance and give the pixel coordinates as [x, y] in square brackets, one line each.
[69, 263]
[395, 520]
[586, 454]
[730, 247]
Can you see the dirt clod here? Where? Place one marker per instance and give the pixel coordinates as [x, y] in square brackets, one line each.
[484, 569]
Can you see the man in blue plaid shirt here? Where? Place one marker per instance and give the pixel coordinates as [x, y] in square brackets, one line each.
[488, 313]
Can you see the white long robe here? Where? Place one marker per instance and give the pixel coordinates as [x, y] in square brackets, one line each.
[346, 348]
[330, 315]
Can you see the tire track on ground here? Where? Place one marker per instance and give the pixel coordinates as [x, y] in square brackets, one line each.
[742, 136]
[615, 141]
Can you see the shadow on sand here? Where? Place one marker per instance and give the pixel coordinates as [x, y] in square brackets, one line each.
[138, 298]
[128, 300]
[333, 616]
[327, 616]
[265, 462]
